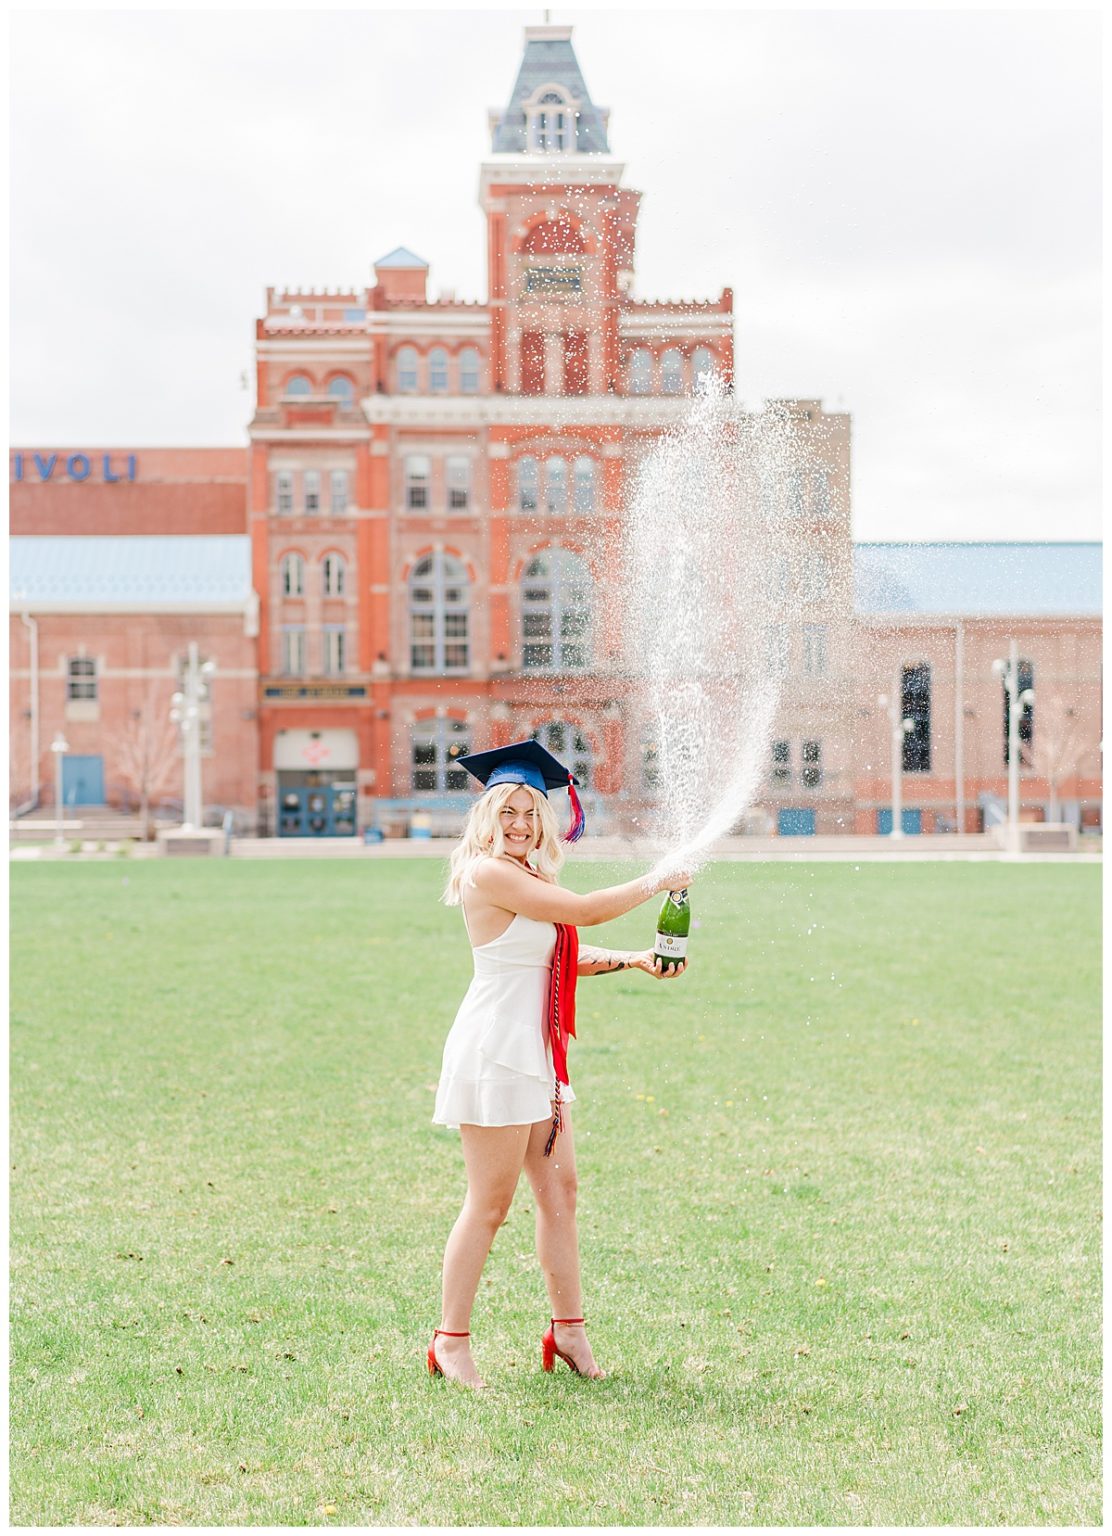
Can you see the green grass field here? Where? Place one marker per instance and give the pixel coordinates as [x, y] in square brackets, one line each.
[840, 1206]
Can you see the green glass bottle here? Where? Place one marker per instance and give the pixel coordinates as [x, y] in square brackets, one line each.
[672, 927]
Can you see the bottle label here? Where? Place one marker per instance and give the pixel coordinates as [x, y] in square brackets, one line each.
[670, 947]
[679, 897]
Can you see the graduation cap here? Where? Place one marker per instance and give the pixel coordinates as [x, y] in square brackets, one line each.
[527, 762]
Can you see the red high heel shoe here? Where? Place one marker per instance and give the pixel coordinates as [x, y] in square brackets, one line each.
[550, 1349]
[434, 1363]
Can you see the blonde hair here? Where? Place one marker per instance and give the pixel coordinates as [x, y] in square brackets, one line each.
[482, 838]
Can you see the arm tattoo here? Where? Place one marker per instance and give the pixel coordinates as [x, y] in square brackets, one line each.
[605, 961]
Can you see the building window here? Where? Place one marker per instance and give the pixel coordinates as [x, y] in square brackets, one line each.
[795, 492]
[671, 372]
[915, 702]
[776, 649]
[641, 372]
[438, 371]
[584, 484]
[439, 602]
[312, 490]
[650, 763]
[1026, 722]
[469, 371]
[81, 678]
[342, 391]
[811, 772]
[299, 384]
[437, 746]
[781, 762]
[417, 470]
[820, 492]
[702, 368]
[293, 576]
[293, 650]
[334, 649]
[551, 124]
[527, 481]
[556, 613]
[407, 370]
[458, 473]
[570, 745]
[284, 499]
[333, 574]
[555, 485]
[338, 490]
[814, 650]
[814, 584]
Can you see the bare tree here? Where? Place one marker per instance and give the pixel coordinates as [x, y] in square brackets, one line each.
[1058, 747]
[146, 755]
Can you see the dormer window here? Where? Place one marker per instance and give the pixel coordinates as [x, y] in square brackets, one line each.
[551, 120]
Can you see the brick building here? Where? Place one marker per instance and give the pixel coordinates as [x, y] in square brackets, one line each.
[426, 491]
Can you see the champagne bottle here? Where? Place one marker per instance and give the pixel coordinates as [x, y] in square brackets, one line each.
[672, 927]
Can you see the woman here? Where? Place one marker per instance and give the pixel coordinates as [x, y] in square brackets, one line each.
[504, 1081]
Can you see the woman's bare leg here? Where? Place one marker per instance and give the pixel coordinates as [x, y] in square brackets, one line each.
[493, 1156]
[555, 1183]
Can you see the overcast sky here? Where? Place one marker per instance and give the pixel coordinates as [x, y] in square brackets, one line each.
[905, 203]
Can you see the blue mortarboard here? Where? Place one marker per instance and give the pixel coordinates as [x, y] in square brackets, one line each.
[527, 762]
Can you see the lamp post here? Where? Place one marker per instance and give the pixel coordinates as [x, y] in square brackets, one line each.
[186, 712]
[59, 746]
[1018, 698]
[900, 728]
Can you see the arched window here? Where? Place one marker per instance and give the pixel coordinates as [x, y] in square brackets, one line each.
[556, 613]
[641, 372]
[469, 371]
[417, 470]
[437, 746]
[584, 484]
[332, 570]
[671, 372]
[555, 485]
[457, 472]
[342, 390]
[702, 368]
[293, 576]
[527, 484]
[407, 370]
[551, 123]
[299, 384]
[438, 615]
[569, 744]
[438, 371]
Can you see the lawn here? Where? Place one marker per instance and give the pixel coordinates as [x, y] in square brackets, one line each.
[840, 1206]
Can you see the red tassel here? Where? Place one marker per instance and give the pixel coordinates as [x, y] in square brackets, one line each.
[578, 820]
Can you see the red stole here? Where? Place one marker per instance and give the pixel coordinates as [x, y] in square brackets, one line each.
[561, 1015]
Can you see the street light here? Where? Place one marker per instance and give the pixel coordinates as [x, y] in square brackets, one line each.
[59, 746]
[901, 726]
[1018, 699]
[185, 712]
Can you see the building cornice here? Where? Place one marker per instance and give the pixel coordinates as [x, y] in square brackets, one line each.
[543, 171]
[308, 434]
[525, 410]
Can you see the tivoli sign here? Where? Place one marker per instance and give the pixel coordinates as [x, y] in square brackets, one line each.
[72, 466]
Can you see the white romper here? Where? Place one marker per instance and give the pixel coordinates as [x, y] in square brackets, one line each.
[497, 1067]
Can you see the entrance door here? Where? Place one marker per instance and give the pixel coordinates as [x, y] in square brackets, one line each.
[797, 822]
[82, 780]
[911, 821]
[317, 810]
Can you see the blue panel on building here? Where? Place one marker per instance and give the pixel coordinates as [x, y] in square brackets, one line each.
[911, 821]
[797, 822]
[82, 780]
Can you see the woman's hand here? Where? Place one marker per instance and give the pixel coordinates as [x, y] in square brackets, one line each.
[646, 960]
[674, 880]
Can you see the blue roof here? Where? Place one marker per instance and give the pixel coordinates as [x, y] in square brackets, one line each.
[400, 256]
[144, 570]
[549, 59]
[978, 579]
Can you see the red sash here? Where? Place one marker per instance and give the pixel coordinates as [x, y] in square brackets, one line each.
[561, 1015]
